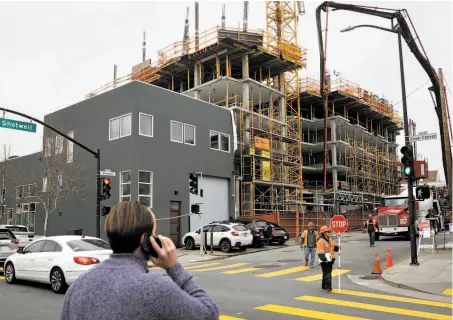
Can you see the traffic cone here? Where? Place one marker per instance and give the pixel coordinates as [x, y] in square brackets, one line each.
[377, 266]
[388, 260]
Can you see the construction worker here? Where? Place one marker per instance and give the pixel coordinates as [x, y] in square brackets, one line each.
[308, 240]
[326, 248]
[371, 228]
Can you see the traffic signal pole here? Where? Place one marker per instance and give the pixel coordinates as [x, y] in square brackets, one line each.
[410, 180]
[98, 193]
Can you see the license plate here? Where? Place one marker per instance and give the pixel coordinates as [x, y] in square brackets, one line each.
[285, 237]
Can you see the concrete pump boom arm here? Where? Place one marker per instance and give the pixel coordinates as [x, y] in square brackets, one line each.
[391, 14]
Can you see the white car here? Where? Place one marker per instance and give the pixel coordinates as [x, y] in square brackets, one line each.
[226, 235]
[57, 260]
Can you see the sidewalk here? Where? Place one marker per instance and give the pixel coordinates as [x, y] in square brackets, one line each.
[433, 275]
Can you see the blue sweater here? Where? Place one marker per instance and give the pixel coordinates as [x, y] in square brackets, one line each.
[121, 288]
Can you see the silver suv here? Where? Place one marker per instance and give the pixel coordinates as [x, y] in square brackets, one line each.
[8, 244]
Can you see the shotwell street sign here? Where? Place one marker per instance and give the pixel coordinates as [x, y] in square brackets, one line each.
[108, 173]
[17, 125]
[428, 136]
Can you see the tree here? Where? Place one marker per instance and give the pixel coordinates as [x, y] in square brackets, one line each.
[9, 173]
[62, 179]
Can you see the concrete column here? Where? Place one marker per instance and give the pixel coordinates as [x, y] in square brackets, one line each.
[333, 138]
[196, 80]
[246, 95]
[386, 136]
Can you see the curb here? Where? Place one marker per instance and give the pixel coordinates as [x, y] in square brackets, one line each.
[405, 287]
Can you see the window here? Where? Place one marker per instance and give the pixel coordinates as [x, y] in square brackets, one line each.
[214, 138]
[35, 247]
[26, 216]
[3, 194]
[59, 181]
[59, 144]
[125, 186]
[70, 148]
[48, 147]
[145, 188]
[88, 245]
[25, 191]
[189, 134]
[239, 228]
[120, 127]
[44, 184]
[225, 145]
[146, 125]
[3, 217]
[49, 246]
[6, 234]
[176, 131]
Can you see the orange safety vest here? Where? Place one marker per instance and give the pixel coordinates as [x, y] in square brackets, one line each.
[374, 225]
[305, 236]
[323, 246]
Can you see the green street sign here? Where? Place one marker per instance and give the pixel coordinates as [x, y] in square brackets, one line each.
[17, 125]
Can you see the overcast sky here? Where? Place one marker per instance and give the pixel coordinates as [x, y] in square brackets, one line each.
[52, 54]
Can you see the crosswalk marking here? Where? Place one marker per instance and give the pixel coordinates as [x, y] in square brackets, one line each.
[222, 267]
[335, 273]
[241, 270]
[282, 272]
[230, 318]
[394, 298]
[202, 265]
[305, 312]
[372, 307]
[448, 292]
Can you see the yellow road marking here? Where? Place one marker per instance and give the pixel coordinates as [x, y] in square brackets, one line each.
[202, 265]
[222, 267]
[394, 298]
[282, 272]
[335, 273]
[448, 292]
[305, 313]
[2, 277]
[229, 318]
[373, 307]
[241, 270]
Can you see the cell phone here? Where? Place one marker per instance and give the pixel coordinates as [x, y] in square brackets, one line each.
[147, 246]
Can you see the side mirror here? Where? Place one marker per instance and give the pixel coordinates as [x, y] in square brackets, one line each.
[20, 250]
[198, 231]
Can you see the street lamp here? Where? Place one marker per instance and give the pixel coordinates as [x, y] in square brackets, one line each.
[410, 179]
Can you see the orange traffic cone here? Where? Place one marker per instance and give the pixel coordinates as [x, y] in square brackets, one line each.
[388, 260]
[377, 266]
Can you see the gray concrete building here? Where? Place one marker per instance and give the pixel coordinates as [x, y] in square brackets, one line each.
[152, 138]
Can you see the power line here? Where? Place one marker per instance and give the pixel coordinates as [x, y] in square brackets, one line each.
[451, 94]
[407, 96]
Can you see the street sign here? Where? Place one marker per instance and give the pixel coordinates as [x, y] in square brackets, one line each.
[17, 125]
[422, 133]
[108, 173]
[339, 224]
[427, 136]
[422, 193]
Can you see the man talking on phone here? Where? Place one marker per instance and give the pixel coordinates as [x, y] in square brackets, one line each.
[121, 287]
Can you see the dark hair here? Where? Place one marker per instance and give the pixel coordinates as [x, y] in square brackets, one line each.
[126, 223]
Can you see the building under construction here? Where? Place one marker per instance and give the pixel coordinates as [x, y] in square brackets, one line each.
[279, 120]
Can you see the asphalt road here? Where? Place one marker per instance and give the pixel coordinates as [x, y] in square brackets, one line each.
[268, 285]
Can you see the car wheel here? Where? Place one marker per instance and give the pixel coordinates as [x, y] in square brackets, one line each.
[190, 244]
[225, 246]
[282, 242]
[57, 281]
[10, 273]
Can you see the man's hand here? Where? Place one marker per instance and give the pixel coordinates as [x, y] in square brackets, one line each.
[166, 256]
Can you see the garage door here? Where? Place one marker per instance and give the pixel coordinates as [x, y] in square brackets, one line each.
[215, 201]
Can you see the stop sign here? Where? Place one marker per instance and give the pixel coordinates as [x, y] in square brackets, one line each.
[339, 224]
[423, 225]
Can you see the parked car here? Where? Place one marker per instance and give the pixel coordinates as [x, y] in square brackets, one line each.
[57, 260]
[278, 233]
[226, 235]
[256, 227]
[22, 233]
[8, 244]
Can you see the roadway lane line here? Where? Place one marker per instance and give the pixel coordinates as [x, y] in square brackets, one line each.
[311, 314]
[222, 267]
[230, 318]
[202, 265]
[394, 298]
[448, 292]
[282, 272]
[241, 270]
[373, 307]
[335, 273]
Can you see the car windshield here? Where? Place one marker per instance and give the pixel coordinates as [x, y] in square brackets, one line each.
[4, 235]
[16, 228]
[395, 202]
[239, 228]
[88, 245]
[260, 224]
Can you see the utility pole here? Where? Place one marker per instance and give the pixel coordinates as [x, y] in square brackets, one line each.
[410, 177]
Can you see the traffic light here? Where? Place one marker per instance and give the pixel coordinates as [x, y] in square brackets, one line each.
[106, 188]
[105, 211]
[407, 161]
[193, 185]
[195, 208]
